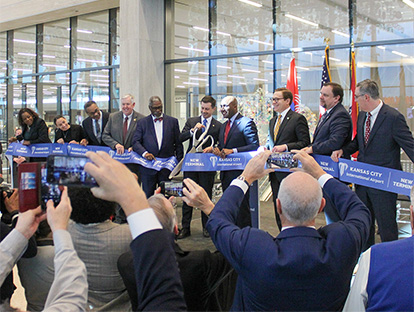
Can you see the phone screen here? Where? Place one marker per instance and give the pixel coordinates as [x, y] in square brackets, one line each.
[68, 170]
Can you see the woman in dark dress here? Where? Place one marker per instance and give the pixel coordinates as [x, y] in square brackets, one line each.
[67, 133]
[34, 129]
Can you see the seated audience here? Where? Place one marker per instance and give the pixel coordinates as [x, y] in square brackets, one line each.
[201, 271]
[302, 269]
[69, 288]
[99, 242]
[385, 276]
[67, 133]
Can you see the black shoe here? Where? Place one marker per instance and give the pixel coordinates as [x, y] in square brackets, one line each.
[205, 233]
[184, 233]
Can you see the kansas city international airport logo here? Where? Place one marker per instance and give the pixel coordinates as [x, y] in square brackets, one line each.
[342, 168]
[213, 160]
[33, 149]
[112, 153]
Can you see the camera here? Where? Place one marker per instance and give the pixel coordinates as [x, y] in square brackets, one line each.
[9, 192]
[172, 188]
[282, 160]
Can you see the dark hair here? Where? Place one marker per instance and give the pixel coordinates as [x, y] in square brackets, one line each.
[287, 94]
[89, 103]
[369, 87]
[29, 111]
[336, 90]
[209, 99]
[56, 118]
[86, 208]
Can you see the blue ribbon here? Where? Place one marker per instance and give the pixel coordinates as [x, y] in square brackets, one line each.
[46, 149]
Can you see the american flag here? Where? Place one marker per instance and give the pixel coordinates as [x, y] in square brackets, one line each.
[326, 76]
[292, 85]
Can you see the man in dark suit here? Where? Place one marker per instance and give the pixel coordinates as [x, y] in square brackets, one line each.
[156, 135]
[288, 130]
[302, 269]
[94, 125]
[200, 270]
[203, 123]
[382, 132]
[121, 126]
[238, 134]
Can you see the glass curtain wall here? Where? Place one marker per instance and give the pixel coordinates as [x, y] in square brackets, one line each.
[243, 48]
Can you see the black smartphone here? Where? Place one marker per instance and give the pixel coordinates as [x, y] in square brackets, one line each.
[68, 170]
[49, 191]
[281, 160]
[169, 188]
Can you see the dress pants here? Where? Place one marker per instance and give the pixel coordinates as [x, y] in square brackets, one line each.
[382, 206]
[243, 218]
[151, 179]
[206, 180]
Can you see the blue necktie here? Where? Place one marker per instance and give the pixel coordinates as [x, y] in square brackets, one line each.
[205, 125]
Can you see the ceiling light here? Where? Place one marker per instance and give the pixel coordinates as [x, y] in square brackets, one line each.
[251, 71]
[84, 31]
[267, 62]
[296, 49]
[222, 66]
[67, 46]
[261, 42]
[177, 77]
[234, 76]
[192, 62]
[308, 53]
[191, 83]
[193, 49]
[180, 70]
[304, 68]
[27, 54]
[57, 66]
[200, 28]
[181, 87]
[243, 83]
[259, 79]
[98, 80]
[101, 76]
[222, 33]
[49, 56]
[200, 79]
[81, 83]
[257, 5]
[91, 61]
[3, 61]
[399, 53]
[224, 81]
[24, 41]
[89, 49]
[340, 33]
[301, 20]
[381, 47]
[203, 73]
[409, 3]
[246, 58]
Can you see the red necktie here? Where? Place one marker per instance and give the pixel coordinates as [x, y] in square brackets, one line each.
[367, 128]
[226, 132]
[125, 130]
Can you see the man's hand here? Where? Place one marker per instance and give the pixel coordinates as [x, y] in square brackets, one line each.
[217, 152]
[130, 149]
[12, 202]
[225, 152]
[119, 149]
[309, 165]
[84, 142]
[336, 155]
[255, 168]
[12, 139]
[196, 196]
[279, 148]
[58, 217]
[73, 142]
[19, 160]
[60, 141]
[25, 142]
[208, 149]
[29, 220]
[198, 126]
[149, 156]
[116, 182]
[308, 150]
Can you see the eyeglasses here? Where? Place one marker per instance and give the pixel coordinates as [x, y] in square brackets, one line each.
[277, 99]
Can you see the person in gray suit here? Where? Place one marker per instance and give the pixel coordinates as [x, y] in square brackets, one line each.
[121, 126]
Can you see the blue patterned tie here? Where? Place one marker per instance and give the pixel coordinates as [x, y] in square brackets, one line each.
[205, 125]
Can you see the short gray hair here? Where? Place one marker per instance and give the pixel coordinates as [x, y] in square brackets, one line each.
[369, 87]
[129, 96]
[154, 98]
[165, 214]
[300, 201]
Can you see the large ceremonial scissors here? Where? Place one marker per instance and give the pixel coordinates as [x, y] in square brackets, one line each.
[197, 148]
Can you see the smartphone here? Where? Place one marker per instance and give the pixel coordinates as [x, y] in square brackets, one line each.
[169, 188]
[281, 160]
[29, 185]
[49, 191]
[68, 170]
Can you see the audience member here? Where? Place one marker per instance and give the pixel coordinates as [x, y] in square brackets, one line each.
[238, 134]
[204, 123]
[94, 124]
[156, 135]
[381, 133]
[385, 276]
[67, 133]
[201, 271]
[302, 269]
[69, 288]
[99, 242]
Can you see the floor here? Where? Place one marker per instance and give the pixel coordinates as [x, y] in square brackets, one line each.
[197, 242]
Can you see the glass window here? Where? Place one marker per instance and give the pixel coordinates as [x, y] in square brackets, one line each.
[3, 54]
[24, 48]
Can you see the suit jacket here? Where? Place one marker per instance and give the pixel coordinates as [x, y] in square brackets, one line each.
[334, 132]
[389, 133]
[113, 133]
[293, 131]
[242, 135]
[213, 130]
[38, 132]
[145, 139]
[302, 268]
[156, 272]
[75, 132]
[88, 129]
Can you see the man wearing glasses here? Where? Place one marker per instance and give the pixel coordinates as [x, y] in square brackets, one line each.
[93, 125]
[287, 131]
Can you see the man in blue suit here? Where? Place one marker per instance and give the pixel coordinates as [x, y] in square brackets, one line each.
[302, 269]
[381, 133]
[385, 276]
[238, 134]
[94, 125]
[156, 135]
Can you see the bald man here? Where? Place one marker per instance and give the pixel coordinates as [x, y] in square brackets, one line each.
[302, 269]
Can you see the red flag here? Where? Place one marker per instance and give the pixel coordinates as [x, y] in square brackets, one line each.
[354, 106]
[292, 85]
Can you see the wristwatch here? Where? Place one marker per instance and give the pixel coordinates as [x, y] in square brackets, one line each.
[242, 178]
